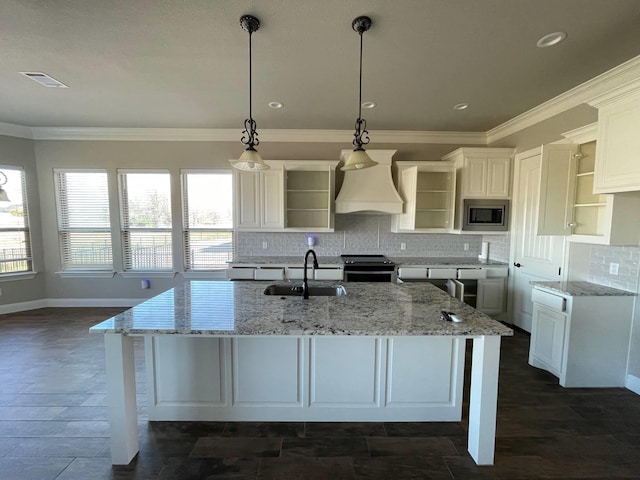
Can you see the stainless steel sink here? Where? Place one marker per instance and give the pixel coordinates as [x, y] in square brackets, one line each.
[314, 291]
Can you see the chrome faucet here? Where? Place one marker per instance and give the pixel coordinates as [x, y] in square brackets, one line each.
[305, 287]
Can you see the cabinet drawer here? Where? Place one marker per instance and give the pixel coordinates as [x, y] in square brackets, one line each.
[550, 300]
[409, 273]
[471, 273]
[443, 273]
[240, 273]
[297, 273]
[269, 274]
[497, 272]
[328, 274]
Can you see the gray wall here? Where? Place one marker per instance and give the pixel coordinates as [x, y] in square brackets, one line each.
[20, 152]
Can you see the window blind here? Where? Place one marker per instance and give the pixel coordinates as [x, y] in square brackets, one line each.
[84, 222]
[145, 202]
[207, 203]
[15, 244]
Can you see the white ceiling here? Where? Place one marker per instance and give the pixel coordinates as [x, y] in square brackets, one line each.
[184, 63]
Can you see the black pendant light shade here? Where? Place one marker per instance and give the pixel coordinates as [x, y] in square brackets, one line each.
[359, 158]
[250, 160]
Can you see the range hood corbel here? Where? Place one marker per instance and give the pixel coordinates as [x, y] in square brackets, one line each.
[370, 189]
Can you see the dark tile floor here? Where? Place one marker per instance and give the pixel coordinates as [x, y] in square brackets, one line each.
[53, 424]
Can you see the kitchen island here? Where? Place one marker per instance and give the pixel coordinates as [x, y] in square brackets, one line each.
[225, 351]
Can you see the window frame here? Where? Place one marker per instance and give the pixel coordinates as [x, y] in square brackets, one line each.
[126, 230]
[187, 229]
[29, 272]
[70, 270]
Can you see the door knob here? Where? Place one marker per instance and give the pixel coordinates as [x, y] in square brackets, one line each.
[516, 265]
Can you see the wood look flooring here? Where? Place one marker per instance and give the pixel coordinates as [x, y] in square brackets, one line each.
[53, 424]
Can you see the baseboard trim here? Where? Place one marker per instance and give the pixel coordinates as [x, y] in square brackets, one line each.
[22, 306]
[69, 302]
[633, 383]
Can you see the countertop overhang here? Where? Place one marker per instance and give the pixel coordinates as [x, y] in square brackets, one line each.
[223, 308]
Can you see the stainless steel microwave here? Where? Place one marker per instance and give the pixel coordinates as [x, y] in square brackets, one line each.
[487, 215]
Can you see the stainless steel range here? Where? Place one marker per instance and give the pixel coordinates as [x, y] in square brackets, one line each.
[368, 268]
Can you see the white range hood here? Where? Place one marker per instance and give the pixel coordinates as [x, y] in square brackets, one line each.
[369, 189]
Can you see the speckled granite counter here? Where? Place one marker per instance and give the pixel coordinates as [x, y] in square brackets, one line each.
[447, 261]
[427, 261]
[240, 308]
[582, 289]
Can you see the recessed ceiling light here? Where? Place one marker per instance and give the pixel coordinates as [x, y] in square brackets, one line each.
[461, 106]
[275, 105]
[368, 104]
[551, 39]
[44, 79]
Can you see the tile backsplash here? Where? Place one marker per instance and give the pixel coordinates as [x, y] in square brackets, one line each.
[628, 259]
[371, 234]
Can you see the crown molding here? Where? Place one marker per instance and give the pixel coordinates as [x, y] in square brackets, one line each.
[626, 73]
[233, 135]
[12, 130]
[584, 134]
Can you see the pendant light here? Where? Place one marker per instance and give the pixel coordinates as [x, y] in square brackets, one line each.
[250, 160]
[359, 158]
[3, 194]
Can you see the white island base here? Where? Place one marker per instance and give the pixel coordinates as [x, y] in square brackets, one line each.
[304, 378]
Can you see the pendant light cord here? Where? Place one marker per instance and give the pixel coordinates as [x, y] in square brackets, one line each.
[360, 90]
[250, 77]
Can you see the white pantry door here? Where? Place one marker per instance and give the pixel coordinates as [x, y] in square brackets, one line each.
[535, 257]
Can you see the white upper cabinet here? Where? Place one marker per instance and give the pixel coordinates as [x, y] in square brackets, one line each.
[557, 189]
[428, 192]
[568, 204]
[290, 196]
[483, 172]
[310, 195]
[617, 167]
[259, 198]
[480, 173]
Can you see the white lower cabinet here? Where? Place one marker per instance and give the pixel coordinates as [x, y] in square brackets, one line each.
[547, 339]
[583, 340]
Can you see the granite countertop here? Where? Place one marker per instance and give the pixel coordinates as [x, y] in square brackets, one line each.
[278, 261]
[581, 289]
[240, 308]
[447, 262]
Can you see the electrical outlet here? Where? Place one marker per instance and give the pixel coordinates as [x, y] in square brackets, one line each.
[403, 246]
[264, 245]
[613, 268]
[466, 246]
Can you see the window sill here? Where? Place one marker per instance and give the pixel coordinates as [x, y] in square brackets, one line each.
[208, 274]
[147, 274]
[10, 277]
[85, 274]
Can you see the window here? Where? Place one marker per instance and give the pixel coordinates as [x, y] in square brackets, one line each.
[207, 205]
[145, 207]
[15, 244]
[84, 224]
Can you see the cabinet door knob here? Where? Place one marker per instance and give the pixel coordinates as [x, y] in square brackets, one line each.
[572, 224]
[517, 265]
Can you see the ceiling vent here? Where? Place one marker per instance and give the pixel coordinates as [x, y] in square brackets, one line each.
[44, 79]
